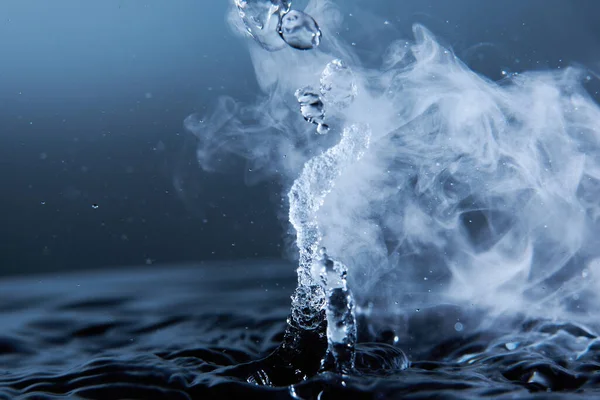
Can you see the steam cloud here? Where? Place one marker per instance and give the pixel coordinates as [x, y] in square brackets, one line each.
[472, 191]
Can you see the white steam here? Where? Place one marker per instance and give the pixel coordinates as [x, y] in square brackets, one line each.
[472, 190]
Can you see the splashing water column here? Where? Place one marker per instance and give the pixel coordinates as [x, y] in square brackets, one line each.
[322, 311]
[341, 318]
[319, 277]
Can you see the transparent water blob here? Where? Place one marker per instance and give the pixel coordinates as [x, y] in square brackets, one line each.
[300, 30]
[311, 108]
[338, 86]
[340, 313]
[262, 19]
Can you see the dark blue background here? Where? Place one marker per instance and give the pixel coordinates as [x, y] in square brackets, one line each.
[93, 95]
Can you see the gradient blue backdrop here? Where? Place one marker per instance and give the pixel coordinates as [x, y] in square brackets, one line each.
[93, 95]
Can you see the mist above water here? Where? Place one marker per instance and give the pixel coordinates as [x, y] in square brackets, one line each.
[471, 191]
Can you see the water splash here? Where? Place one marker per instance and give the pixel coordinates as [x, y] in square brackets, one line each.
[306, 197]
[471, 191]
[340, 312]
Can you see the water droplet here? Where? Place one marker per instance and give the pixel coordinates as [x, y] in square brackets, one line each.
[458, 327]
[42, 202]
[322, 129]
[311, 108]
[300, 30]
[262, 19]
[511, 345]
[338, 87]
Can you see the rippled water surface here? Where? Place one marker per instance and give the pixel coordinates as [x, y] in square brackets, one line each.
[175, 333]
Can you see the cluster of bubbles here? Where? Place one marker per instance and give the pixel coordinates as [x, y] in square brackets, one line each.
[274, 25]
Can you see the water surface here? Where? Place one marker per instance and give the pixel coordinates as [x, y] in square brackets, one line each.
[174, 332]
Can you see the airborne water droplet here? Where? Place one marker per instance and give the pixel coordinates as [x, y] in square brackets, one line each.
[300, 30]
[262, 19]
[511, 345]
[338, 87]
[311, 108]
[322, 129]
